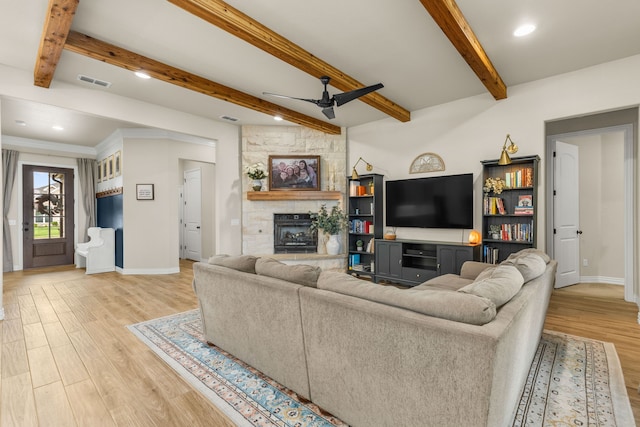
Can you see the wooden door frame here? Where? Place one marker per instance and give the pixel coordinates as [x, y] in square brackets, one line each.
[19, 260]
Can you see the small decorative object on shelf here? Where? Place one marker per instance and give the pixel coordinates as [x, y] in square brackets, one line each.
[257, 172]
[359, 245]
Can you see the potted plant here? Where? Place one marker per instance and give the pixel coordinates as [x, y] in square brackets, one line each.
[257, 172]
[494, 230]
[330, 222]
[359, 244]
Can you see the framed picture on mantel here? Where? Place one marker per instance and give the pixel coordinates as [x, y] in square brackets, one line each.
[294, 172]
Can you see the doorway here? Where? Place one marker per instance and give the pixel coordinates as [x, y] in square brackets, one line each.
[600, 245]
[47, 216]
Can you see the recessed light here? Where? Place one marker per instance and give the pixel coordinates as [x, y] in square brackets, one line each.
[142, 75]
[277, 118]
[524, 30]
[57, 127]
[21, 123]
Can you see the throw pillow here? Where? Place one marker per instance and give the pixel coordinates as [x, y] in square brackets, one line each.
[529, 264]
[546, 258]
[498, 284]
[439, 303]
[301, 274]
[246, 263]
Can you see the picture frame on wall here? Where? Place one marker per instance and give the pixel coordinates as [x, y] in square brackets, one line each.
[144, 192]
[110, 166]
[99, 170]
[104, 170]
[117, 163]
[289, 172]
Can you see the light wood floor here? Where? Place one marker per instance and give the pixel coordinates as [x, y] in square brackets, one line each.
[68, 360]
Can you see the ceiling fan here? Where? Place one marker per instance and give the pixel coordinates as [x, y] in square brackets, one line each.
[337, 99]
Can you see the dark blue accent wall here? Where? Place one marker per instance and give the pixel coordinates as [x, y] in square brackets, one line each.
[110, 215]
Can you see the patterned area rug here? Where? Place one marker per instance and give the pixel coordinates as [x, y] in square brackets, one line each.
[573, 381]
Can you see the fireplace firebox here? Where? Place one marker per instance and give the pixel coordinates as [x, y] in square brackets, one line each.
[292, 234]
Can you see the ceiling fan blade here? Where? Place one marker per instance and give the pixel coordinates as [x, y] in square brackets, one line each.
[329, 113]
[313, 101]
[343, 98]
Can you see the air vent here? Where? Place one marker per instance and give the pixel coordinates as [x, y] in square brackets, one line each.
[93, 81]
[231, 119]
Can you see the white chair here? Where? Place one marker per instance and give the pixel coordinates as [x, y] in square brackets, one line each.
[99, 253]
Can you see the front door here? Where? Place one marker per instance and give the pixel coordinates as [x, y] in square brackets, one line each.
[47, 216]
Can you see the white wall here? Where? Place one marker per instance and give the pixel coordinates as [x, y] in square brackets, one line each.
[601, 206]
[151, 227]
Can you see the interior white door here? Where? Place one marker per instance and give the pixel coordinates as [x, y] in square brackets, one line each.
[192, 215]
[566, 214]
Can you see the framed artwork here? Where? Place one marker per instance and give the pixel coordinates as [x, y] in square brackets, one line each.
[289, 172]
[144, 191]
[110, 166]
[99, 171]
[117, 163]
[104, 170]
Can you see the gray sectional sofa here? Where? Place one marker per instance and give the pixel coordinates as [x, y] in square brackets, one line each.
[452, 351]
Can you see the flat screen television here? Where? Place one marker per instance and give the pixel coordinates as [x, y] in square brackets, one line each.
[435, 202]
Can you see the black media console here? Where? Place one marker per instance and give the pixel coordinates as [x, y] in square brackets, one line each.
[411, 262]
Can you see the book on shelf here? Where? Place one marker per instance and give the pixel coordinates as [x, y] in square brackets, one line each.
[371, 245]
[520, 232]
[353, 188]
[519, 178]
[494, 206]
[490, 254]
[525, 205]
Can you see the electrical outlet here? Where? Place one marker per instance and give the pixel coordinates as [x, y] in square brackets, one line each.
[585, 262]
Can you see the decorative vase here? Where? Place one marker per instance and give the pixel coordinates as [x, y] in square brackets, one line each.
[322, 242]
[333, 245]
[256, 185]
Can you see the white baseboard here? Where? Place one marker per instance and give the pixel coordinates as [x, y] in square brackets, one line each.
[149, 270]
[602, 279]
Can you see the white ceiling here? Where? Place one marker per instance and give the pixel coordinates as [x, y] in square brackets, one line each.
[393, 42]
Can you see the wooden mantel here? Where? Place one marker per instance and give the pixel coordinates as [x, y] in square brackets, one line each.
[294, 195]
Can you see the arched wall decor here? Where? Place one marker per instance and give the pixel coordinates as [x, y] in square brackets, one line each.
[427, 162]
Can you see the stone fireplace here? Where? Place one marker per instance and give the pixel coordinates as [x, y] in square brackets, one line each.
[258, 228]
[292, 234]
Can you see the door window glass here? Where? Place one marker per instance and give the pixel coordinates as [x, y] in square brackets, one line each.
[48, 206]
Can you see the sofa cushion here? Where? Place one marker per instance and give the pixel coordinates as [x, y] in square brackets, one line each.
[301, 274]
[451, 282]
[546, 258]
[444, 304]
[529, 264]
[498, 284]
[246, 263]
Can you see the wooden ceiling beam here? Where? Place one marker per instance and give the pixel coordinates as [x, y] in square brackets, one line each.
[240, 25]
[110, 54]
[54, 34]
[454, 25]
